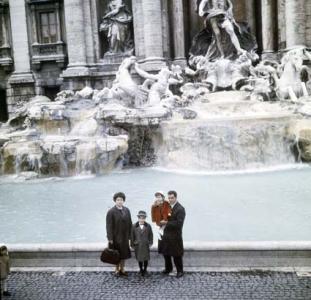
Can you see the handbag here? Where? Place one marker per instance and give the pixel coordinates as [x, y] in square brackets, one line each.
[110, 256]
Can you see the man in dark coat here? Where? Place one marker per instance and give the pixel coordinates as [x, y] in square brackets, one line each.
[171, 244]
[119, 226]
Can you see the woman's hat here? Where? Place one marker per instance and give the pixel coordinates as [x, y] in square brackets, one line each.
[142, 213]
[159, 193]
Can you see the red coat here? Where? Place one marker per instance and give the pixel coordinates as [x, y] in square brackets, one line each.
[160, 212]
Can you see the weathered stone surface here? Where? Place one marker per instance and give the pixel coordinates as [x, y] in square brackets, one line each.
[300, 132]
[188, 114]
[305, 110]
[65, 96]
[86, 93]
[121, 115]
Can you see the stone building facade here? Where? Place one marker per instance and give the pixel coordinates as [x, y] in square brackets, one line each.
[49, 45]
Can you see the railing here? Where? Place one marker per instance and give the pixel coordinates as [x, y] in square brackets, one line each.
[6, 60]
[48, 49]
[48, 52]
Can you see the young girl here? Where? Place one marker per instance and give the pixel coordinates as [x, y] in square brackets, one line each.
[141, 240]
[4, 270]
[160, 210]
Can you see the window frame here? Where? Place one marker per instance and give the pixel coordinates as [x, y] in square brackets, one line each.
[52, 39]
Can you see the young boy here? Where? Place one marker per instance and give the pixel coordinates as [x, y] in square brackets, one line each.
[141, 240]
[4, 270]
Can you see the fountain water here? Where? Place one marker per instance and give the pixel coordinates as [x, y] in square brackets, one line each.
[229, 134]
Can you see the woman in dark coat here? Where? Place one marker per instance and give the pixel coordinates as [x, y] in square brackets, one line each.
[141, 240]
[118, 226]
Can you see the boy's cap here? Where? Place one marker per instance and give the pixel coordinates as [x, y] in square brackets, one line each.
[159, 193]
[142, 213]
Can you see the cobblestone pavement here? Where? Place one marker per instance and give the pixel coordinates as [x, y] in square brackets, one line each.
[105, 285]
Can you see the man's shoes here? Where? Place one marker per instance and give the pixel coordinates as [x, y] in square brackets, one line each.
[166, 272]
[6, 293]
[117, 273]
[123, 273]
[180, 274]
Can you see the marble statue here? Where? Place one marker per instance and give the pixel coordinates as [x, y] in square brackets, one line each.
[154, 88]
[293, 74]
[262, 82]
[124, 88]
[224, 50]
[117, 27]
[220, 16]
[158, 85]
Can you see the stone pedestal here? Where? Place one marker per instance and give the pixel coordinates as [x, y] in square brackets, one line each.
[295, 23]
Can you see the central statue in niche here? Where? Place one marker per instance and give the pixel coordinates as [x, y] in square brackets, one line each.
[224, 50]
[117, 27]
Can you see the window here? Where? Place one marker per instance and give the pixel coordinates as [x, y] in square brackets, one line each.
[48, 26]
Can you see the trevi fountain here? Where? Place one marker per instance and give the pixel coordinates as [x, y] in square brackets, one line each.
[230, 131]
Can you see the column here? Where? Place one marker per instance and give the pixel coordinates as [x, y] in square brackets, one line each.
[89, 41]
[76, 46]
[281, 25]
[58, 20]
[21, 83]
[153, 33]
[74, 18]
[251, 15]
[269, 28]
[295, 23]
[138, 22]
[179, 32]
[19, 36]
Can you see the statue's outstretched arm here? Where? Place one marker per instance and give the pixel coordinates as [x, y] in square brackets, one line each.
[144, 74]
[113, 12]
[201, 7]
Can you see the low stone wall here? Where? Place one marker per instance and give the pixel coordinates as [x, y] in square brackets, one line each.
[199, 255]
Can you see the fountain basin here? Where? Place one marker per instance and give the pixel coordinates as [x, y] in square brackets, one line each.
[260, 206]
[222, 256]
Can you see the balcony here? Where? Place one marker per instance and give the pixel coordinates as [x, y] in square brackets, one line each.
[48, 52]
[6, 61]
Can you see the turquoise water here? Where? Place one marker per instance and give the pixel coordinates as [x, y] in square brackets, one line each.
[246, 207]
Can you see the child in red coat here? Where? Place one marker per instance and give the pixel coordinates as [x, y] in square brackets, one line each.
[160, 210]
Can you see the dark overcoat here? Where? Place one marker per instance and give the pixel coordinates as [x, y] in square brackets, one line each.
[172, 242]
[141, 240]
[118, 226]
[4, 267]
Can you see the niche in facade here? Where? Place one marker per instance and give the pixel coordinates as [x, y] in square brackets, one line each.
[116, 29]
